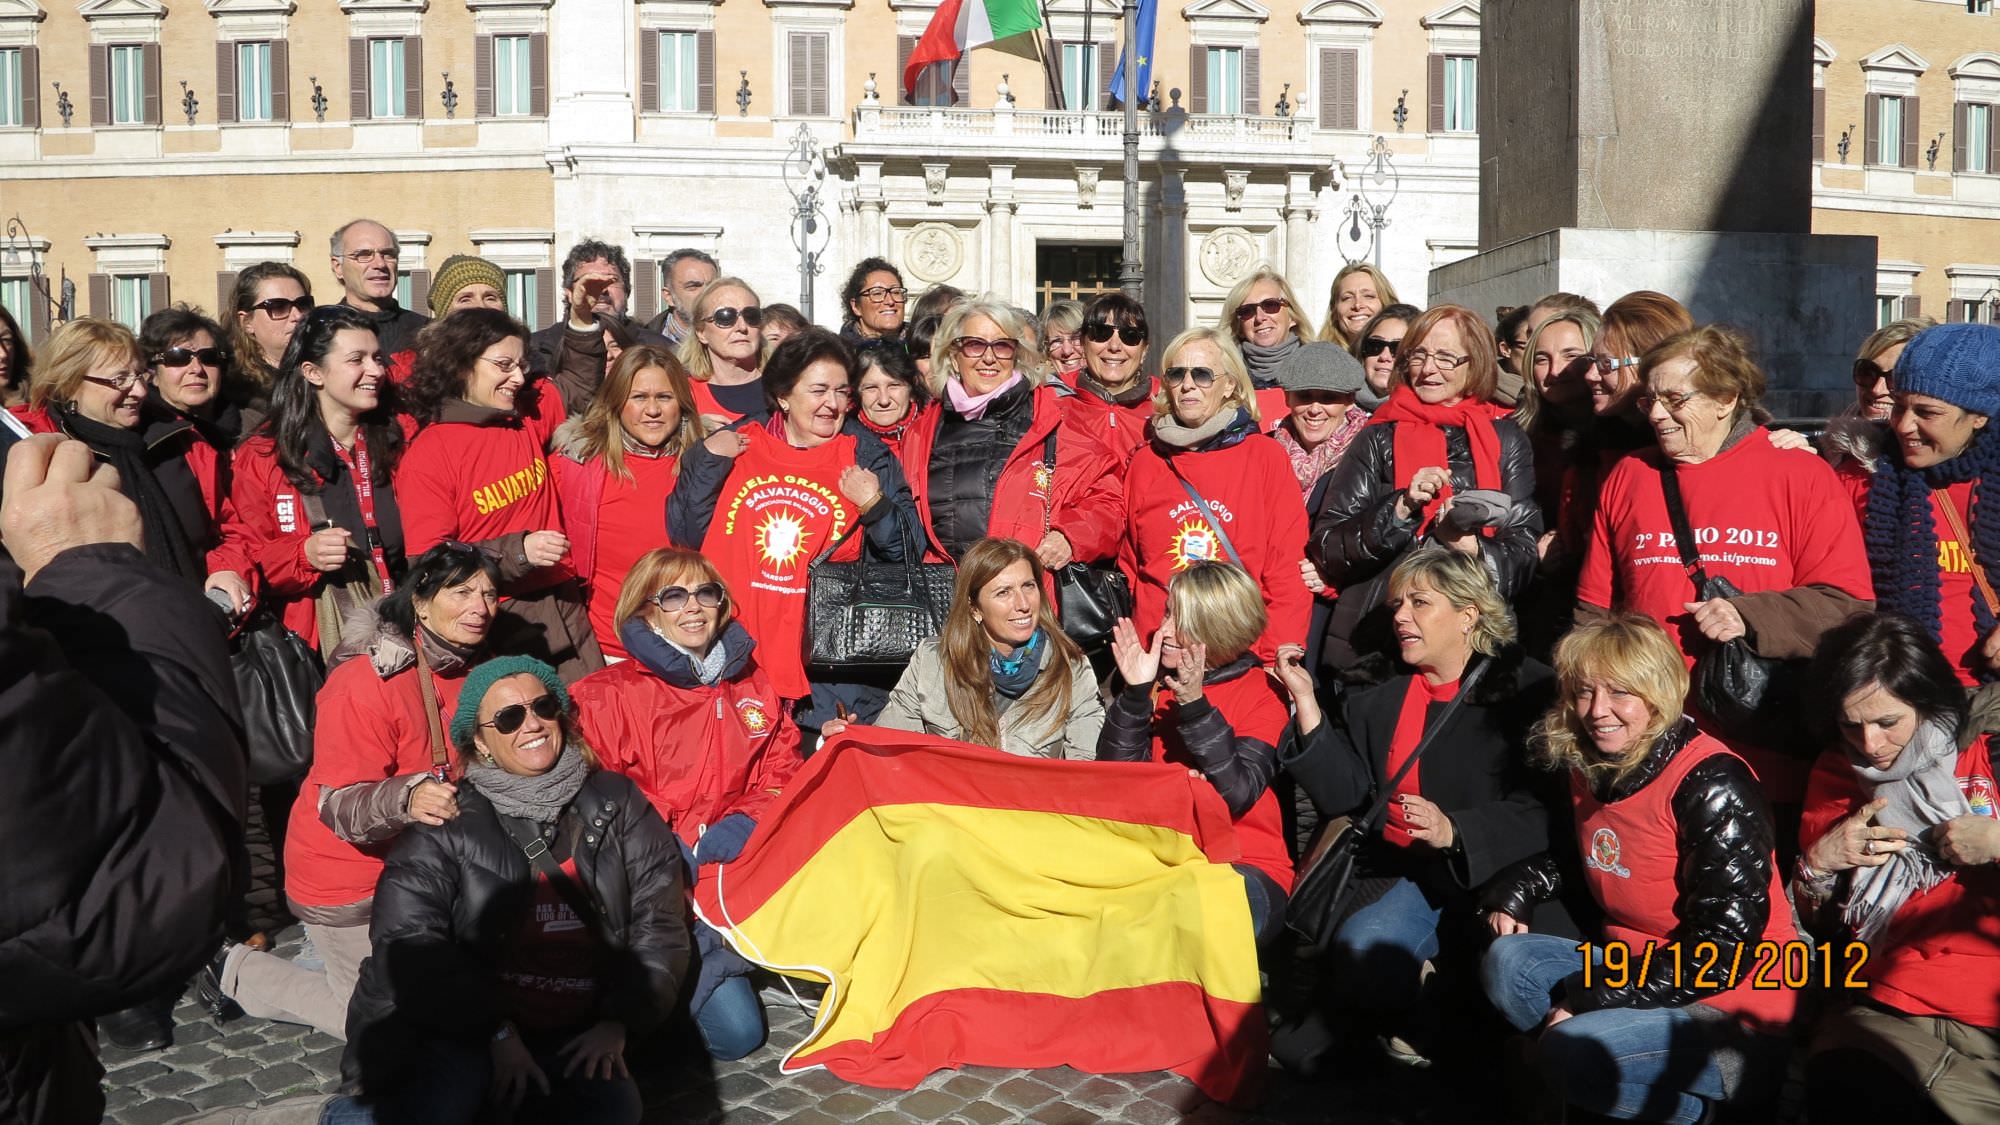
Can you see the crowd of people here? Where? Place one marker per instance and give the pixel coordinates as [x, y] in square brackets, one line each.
[1662, 734]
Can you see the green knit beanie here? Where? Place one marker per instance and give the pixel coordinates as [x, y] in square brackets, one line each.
[465, 721]
[459, 271]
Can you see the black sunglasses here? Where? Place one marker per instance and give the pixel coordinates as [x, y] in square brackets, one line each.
[1270, 306]
[1867, 371]
[673, 599]
[1130, 334]
[1376, 345]
[181, 357]
[725, 317]
[276, 306]
[1202, 376]
[508, 719]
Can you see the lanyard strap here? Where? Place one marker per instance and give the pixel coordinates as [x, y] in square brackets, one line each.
[1957, 523]
[364, 491]
[1208, 515]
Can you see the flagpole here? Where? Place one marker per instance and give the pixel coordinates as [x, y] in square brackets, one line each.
[1131, 275]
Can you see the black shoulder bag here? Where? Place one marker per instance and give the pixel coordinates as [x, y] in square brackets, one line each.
[865, 614]
[1089, 599]
[1321, 899]
[1749, 697]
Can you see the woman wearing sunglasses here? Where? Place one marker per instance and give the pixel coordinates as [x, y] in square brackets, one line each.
[1114, 395]
[615, 467]
[1438, 435]
[724, 355]
[478, 471]
[191, 377]
[521, 946]
[1211, 486]
[1858, 436]
[1264, 317]
[374, 774]
[1002, 453]
[1376, 348]
[266, 304]
[695, 721]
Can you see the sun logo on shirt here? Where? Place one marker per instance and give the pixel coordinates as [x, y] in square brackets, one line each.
[781, 539]
[754, 719]
[1194, 542]
[1045, 477]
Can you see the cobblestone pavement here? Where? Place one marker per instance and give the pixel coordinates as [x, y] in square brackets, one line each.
[251, 1062]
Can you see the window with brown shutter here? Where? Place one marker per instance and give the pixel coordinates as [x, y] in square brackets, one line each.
[1913, 307]
[225, 293]
[538, 74]
[545, 296]
[40, 312]
[1435, 70]
[31, 87]
[1912, 132]
[357, 79]
[704, 55]
[413, 79]
[151, 55]
[1819, 126]
[100, 295]
[1871, 116]
[1107, 70]
[1197, 79]
[1954, 311]
[806, 91]
[225, 82]
[1339, 88]
[161, 295]
[645, 290]
[1958, 137]
[482, 76]
[1253, 98]
[649, 71]
[281, 81]
[420, 289]
[100, 85]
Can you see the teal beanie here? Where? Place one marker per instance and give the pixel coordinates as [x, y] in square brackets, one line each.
[465, 720]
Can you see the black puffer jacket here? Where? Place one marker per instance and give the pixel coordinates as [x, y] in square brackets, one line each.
[1724, 835]
[965, 464]
[451, 899]
[396, 327]
[1240, 767]
[1356, 538]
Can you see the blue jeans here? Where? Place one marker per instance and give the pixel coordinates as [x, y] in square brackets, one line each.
[1650, 1064]
[1378, 953]
[447, 1083]
[732, 1021]
[1267, 904]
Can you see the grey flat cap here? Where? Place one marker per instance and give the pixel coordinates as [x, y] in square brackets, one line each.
[1322, 367]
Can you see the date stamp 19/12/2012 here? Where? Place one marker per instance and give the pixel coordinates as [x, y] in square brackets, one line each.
[1767, 965]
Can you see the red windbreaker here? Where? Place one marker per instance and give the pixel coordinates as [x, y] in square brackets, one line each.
[1120, 427]
[1084, 500]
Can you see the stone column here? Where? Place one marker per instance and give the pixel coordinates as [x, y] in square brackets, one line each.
[1298, 214]
[1000, 207]
[590, 73]
[1166, 266]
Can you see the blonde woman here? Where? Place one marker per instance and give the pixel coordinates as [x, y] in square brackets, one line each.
[1062, 339]
[1002, 453]
[1675, 843]
[614, 469]
[1359, 292]
[1268, 323]
[1003, 674]
[724, 354]
[1207, 442]
[1856, 437]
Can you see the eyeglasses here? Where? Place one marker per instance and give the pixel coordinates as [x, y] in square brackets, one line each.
[1317, 398]
[276, 307]
[1063, 339]
[1376, 345]
[1867, 372]
[1445, 361]
[888, 294]
[1671, 400]
[1131, 335]
[1269, 306]
[367, 255]
[972, 347]
[181, 357]
[1610, 363]
[727, 317]
[708, 595]
[121, 383]
[1200, 376]
[507, 364]
[508, 719]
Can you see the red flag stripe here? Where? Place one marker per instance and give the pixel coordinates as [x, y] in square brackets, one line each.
[939, 44]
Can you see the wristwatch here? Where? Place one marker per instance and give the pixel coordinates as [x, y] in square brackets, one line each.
[505, 1033]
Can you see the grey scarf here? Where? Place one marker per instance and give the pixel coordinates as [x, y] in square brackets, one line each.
[540, 798]
[1264, 362]
[1167, 430]
[1921, 786]
[708, 669]
[1368, 399]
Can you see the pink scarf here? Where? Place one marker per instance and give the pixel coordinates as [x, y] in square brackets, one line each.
[972, 406]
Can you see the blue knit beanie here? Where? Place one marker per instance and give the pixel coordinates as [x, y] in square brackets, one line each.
[1959, 363]
[465, 720]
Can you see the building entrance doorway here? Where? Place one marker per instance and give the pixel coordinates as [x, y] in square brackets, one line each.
[1067, 271]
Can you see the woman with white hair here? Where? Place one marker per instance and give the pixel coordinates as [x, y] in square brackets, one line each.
[999, 453]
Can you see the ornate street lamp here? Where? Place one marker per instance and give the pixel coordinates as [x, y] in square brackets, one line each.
[804, 173]
[1376, 184]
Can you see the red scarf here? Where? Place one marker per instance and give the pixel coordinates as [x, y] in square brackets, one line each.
[1417, 700]
[1420, 439]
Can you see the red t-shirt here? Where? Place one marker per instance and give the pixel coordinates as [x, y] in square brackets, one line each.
[549, 974]
[480, 480]
[1255, 709]
[631, 520]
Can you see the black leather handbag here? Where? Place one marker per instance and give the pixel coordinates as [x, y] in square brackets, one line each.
[1089, 598]
[1754, 698]
[870, 613]
[1326, 893]
[278, 677]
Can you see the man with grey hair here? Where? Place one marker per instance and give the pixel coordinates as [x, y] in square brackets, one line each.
[578, 349]
[365, 259]
[681, 277]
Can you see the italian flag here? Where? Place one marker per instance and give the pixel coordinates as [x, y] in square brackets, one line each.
[960, 25]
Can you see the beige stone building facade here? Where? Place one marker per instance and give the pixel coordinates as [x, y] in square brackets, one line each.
[1907, 137]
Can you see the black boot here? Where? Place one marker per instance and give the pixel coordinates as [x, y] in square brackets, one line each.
[144, 1027]
[208, 988]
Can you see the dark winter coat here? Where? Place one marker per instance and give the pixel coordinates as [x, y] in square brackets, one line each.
[452, 897]
[545, 356]
[396, 327]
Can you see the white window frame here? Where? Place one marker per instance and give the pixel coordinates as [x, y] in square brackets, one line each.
[1080, 63]
[680, 57]
[131, 298]
[1891, 72]
[127, 83]
[521, 296]
[1225, 80]
[1978, 285]
[253, 81]
[1338, 25]
[1888, 309]
[1888, 148]
[387, 79]
[513, 76]
[1978, 131]
[18, 299]
[13, 107]
[1461, 93]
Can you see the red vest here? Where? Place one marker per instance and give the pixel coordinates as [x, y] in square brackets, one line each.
[778, 510]
[1631, 858]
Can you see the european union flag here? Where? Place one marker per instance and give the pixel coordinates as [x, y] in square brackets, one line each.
[1148, 9]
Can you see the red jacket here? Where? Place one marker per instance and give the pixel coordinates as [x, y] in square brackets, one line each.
[1122, 427]
[370, 728]
[478, 475]
[1088, 505]
[1250, 486]
[698, 752]
[1940, 955]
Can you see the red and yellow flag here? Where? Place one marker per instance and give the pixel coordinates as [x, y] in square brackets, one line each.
[970, 907]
